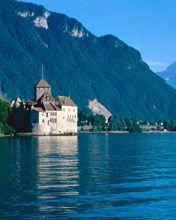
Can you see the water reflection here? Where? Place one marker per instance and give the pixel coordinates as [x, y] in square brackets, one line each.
[58, 172]
[89, 177]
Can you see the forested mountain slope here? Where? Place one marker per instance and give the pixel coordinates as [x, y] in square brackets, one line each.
[77, 62]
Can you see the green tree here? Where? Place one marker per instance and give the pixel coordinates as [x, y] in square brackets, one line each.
[98, 122]
[172, 125]
[166, 125]
[5, 128]
[115, 124]
[132, 125]
[82, 119]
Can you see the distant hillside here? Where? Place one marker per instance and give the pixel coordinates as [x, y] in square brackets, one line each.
[169, 75]
[77, 62]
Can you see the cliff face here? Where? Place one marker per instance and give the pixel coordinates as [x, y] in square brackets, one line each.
[78, 63]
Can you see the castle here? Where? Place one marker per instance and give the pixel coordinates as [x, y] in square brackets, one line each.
[45, 115]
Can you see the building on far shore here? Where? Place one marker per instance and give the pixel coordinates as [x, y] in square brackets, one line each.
[45, 115]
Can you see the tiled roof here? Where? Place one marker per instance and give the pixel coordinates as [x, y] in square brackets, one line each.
[49, 107]
[43, 84]
[31, 102]
[17, 102]
[38, 109]
[67, 101]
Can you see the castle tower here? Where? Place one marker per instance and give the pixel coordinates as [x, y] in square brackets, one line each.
[41, 88]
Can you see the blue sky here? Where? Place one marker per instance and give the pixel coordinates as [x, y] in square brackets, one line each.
[147, 25]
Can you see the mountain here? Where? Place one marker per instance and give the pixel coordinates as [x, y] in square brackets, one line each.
[78, 63]
[169, 75]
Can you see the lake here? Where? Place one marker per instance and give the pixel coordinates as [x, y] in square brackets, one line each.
[92, 176]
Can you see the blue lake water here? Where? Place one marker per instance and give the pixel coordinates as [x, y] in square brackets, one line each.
[92, 176]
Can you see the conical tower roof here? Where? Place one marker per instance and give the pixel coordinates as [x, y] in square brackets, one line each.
[43, 84]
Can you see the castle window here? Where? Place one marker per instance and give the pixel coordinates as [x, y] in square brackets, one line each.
[43, 120]
[53, 120]
[53, 113]
[47, 115]
[48, 122]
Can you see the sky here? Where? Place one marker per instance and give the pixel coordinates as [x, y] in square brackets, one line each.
[147, 25]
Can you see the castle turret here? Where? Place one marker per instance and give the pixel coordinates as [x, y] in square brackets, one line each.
[41, 88]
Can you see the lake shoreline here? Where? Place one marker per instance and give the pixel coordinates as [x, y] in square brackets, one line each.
[22, 135]
[127, 132]
[5, 136]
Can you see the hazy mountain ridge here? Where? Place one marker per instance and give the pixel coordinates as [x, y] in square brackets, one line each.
[169, 75]
[77, 62]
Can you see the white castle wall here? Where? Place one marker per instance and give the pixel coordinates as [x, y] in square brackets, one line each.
[67, 119]
[55, 122]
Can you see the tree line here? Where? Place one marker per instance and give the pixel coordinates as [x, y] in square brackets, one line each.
[98, 123]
